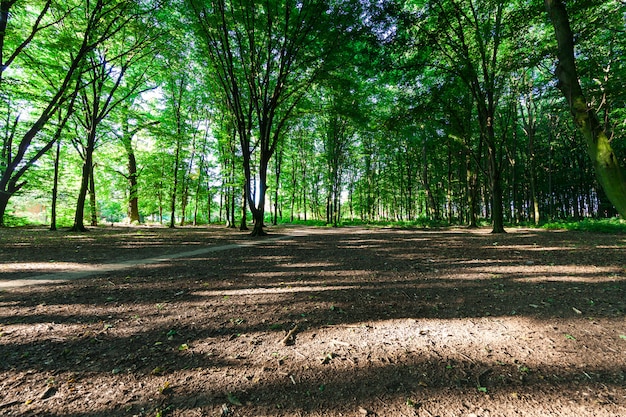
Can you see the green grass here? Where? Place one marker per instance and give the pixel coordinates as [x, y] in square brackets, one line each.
[613, 225]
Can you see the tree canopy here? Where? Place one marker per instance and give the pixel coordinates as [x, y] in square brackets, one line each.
[197, 111]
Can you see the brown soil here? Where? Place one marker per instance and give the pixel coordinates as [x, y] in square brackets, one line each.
[312, 322]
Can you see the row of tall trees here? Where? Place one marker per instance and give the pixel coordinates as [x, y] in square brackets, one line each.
[207, 110]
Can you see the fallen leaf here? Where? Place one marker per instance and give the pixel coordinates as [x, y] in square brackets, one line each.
[157, 371]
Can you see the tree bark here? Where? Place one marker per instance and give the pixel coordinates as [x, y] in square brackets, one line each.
[172, 223]
[79, 225]
[605, 163]
[131, 163]
[133, 187]
[92, 197]
[243, 225]
[55, 188]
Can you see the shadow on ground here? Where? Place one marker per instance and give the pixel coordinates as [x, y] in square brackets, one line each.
[392, 322]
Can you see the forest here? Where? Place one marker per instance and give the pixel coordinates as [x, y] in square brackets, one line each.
[195, 111]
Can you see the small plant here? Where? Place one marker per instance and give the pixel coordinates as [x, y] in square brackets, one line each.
[233, 399]
[165, 389]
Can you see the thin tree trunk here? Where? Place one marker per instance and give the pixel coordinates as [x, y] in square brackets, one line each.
[92, 197]
[55, 188]
[175, 185]
[243, 225]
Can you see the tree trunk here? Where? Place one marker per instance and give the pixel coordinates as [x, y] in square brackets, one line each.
[4, 201]
[55, 188]
[243, 225]
[278, 162]
[605, 163]
[449, 185]
[133, 186]
[79, 225]
[175, 185]
[258, 211]
[92, 197]
[431, 204]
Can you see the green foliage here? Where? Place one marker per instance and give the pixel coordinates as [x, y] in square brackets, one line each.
[377, 121]
[11, 220]
[613, 225]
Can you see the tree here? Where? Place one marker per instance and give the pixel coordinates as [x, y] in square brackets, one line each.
[126, 136]
[106, 86]
[605, 162]
[66, 38]
[264, 56]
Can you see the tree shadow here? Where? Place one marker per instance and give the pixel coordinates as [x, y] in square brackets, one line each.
[194, 314]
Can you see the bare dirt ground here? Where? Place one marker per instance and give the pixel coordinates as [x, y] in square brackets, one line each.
[312, 322]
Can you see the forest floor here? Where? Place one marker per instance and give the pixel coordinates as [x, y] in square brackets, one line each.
[150, 321]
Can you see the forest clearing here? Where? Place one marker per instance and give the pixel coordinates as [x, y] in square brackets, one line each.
[312, 322]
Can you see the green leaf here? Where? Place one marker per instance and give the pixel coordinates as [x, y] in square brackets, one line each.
[233, 399]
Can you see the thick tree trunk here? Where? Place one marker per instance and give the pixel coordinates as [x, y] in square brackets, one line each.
[605, 163]
[79, 225]
[133, 186]
[258, 209]
[497, 213]
[497, 209]
[4, 201]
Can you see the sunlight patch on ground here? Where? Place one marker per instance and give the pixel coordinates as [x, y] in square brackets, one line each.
[333, 273]
[565, 273]
[620, 246]
[527, 248]
[571, 278]
[309, 265]
[52, 266]
[273, 290]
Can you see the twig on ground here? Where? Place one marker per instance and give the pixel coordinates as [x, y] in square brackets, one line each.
[9, 404]
[337, 342]
[290, 339]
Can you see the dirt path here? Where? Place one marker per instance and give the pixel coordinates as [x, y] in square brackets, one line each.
[331, 322]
